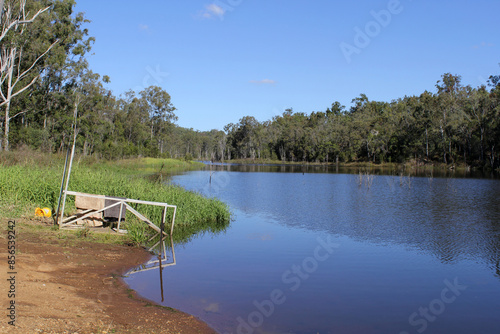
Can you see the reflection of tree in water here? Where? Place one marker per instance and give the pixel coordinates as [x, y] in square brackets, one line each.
[495, 254]
[496, 268]
[454, 219]
[450, 174]
[184, 233]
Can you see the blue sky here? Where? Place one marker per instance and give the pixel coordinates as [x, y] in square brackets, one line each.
[224, 59]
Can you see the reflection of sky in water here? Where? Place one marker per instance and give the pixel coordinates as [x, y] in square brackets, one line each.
[399, 240]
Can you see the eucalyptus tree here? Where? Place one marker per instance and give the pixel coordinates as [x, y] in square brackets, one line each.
[448, 90]
[135, 118]
[57, 29]
[493, 121]
[55, 92]
[230, 130]
[220, 138]
[336, 109]
[19, 55]
[425, 116]
[159, 107]
[245, 137]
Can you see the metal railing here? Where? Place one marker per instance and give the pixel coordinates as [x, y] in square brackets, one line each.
[71, 222]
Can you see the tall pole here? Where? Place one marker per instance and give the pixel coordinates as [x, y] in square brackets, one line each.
[62, 185]
[75, 113]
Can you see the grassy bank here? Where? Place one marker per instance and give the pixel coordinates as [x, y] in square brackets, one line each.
[31, 179]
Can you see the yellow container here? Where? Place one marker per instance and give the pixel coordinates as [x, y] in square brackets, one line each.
[45, 212]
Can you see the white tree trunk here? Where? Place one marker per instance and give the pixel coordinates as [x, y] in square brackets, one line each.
[10, 60]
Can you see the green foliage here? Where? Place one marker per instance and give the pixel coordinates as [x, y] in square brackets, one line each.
[26, 186]
[137, 233]
[457, 124]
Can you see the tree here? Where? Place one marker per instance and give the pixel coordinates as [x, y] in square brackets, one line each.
[54, 93]
[336, 109]
[160, 109]
[135, 119]
[16, 63]
[448, 89]
[245, 137]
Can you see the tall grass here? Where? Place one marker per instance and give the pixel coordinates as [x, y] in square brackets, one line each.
[25, 185]
[142, 166]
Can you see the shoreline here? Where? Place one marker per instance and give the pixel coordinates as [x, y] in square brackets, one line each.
[67, 284]
[361, 164]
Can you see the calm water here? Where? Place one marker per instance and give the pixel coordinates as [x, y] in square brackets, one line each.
[315, 252]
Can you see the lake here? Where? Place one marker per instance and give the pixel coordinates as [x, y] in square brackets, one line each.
[317, 250]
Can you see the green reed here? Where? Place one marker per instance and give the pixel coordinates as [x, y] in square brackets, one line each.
[27, 185]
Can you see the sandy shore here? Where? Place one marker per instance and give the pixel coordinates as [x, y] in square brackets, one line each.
[74, 286]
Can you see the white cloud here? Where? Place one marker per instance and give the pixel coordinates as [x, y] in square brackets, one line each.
[263, 82]
[483, 45]
[213, 307]
[212, 11]
[143, 27]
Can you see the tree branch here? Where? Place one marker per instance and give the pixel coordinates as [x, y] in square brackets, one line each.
[1, 10]
[22, 75]
[19, 113]
[20, 22]
[24, 88]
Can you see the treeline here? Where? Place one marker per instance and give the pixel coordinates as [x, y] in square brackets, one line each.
[457, 124]
[46, 81]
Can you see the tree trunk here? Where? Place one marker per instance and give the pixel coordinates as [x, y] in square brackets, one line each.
[449, 149]
[59, 150]
[444, 144]
[5, 143]
[492, 158]
[10, 61]
[85, 145]
[482, 148]
[426, 143]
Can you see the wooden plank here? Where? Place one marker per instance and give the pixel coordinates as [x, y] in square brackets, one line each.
[85, 202]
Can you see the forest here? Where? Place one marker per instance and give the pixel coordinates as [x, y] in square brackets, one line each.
[46, 80]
